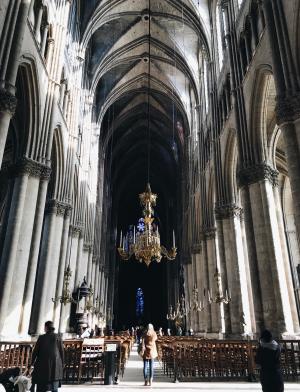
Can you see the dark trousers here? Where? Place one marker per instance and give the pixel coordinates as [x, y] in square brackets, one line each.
[148, 369]
[41, 388]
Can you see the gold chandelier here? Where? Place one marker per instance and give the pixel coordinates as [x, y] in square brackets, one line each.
[146, 243]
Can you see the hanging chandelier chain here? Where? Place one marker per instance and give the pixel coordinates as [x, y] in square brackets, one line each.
[145, 244]
[148, 93]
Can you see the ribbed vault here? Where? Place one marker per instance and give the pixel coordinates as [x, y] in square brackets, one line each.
[115, 39]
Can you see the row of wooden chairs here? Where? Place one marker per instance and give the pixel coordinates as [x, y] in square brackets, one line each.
[84, 359]
[188, 359]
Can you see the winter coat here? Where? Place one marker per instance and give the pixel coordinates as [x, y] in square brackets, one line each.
[150, 338]
[47, 359]
[268, 357]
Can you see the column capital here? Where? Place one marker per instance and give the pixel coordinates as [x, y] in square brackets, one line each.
[8, 102]
[209, 233]
[95, 259]
[196, 248]
[87, 246]
[75, 231]
[224, 3]
[57, 207]
[257, 173]
[30, 167]
[287, 108]
[226, 211]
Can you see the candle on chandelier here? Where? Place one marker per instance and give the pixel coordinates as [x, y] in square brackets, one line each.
[121, 239]
[134, 234]
[173, 239]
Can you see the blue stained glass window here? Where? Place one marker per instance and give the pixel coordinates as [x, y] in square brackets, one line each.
[141, 225]
[139, 302]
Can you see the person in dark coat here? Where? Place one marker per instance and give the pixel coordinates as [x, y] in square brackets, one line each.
[47, 360]
[268, 357]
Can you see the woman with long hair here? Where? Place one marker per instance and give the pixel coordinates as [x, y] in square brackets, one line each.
[150, 353]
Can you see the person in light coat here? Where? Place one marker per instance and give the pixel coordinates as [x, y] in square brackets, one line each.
[150, 353]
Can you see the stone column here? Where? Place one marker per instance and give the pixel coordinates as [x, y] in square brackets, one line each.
[286, 78]
[56, 267]
[31, 13]
[17, 245]
[9, 254]
[261, 179]
[187, 280]
[206, 287]
[215, 309]
[85, 261]
[34, 251]
[9, 73]
[235, 265]
[198, 285]
[72, 247]
[202, 287]
[223, 270]
[8, 103]
[250, 249]
[105, 306]
[90, 267]
[288, 118]
[37, 26]
[79, 258]
[58, 306]
[48, 265]
[44, 39]
[286, 260]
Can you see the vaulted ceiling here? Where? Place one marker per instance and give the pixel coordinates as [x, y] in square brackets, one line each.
[115, 34]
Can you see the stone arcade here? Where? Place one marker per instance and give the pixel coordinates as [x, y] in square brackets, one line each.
[225, 162]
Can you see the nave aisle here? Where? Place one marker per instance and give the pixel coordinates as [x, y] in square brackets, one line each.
[133, 381]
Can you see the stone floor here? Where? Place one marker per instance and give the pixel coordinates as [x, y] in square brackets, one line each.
[133, 380]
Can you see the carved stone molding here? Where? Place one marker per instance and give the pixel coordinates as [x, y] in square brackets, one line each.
[256, 173]
[227, 211]
[57, 207]
[68, 210]
[87, 247]
[75, 231]
[8, 102]
[32, 168]
[95, 258]
[287, 108]
[45, 173]
[196, 248]
[209, 233]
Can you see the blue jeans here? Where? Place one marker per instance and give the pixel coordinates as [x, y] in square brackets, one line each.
[148, 369]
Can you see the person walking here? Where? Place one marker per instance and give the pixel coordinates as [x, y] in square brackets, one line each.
[150, 353]
[268, 357]
[47, 361]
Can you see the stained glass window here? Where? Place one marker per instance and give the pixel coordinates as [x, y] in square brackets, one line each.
[139, 302]
[141, 225]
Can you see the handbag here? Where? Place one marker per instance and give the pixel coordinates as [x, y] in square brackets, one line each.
[141, 349]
